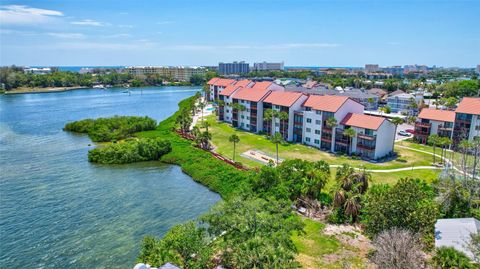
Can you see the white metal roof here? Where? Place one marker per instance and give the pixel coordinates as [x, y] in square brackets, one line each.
[456, 233]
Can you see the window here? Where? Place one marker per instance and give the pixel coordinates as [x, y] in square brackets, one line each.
[307, 139]
[309, 120]
[248, 117]
[368, 131]
[308, 109]
[242, 124]
[316, 141]
[317, 132]
[248, 110]
[228, 111]
[248, 126]
[308, 130]
[243, 117]
[277, 124]
[319, 112]
[318, 122]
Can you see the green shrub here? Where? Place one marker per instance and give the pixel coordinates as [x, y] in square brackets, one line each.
[448, 257]
[130, 151]
[409, 204]
[111, 129]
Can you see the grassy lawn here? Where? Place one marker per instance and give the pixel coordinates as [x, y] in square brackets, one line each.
[249, 141]
[313, 246]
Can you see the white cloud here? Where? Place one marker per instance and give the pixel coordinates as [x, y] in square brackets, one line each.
[117, 36]
[67, 35]
[88, 22]
[284, 46]
[125, 26]
[20, 14]
[165, 22]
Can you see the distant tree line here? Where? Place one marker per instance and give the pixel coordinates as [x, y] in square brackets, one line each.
[13, 77]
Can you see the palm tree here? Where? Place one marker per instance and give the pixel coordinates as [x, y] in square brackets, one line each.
[283, 116]
[277, 138]
[268, 116]
[433, 139]
[396, 121]
[234, 139]
[195, 131]
[350, 133]
[205, 125]
[201, 105]
[464, 145]
[332, 123]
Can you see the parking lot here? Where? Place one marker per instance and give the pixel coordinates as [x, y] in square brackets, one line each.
[403, 127]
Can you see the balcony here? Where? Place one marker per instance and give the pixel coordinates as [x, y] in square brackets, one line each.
[366, 147]
[423, 124]
[421, 133]
[367, 137]
[445, 129]
[326, 139]
[342, 141]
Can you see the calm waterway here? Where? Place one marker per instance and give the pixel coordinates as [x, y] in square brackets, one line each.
[59, 211]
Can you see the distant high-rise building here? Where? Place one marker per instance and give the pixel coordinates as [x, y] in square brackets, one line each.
[371, 68]
[264, 66]
[233, 68]
[478, 68]
[395, 70]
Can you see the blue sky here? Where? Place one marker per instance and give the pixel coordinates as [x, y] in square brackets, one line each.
[196, 32]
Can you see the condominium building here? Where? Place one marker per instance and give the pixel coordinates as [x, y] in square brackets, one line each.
[374, 136]
[37, 71]
[317, 110]
[467, 120]
[216, 86]
[250, 117]
[225, 108]
[244, 106]
[404, 102]
[281, 101]
[433, 121]
[233, 68]
[371, 68]
[178, 73]
[264, 66]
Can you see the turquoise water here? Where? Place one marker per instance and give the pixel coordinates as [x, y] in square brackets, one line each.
[59, 211]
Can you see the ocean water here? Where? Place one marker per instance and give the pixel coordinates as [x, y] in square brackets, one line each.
[59, 211]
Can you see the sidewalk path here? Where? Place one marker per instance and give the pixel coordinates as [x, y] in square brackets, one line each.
[394, 169]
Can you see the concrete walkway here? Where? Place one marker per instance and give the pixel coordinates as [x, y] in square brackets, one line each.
[392, 170]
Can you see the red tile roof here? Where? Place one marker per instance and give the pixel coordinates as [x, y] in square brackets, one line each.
[363, 121]
[283, 98]
[250, 94]
[436, 114]
[221, 82]
[212, 80]
[229, 90]
[243, 82]
[263, 85]
[329, 103]
[469, 105]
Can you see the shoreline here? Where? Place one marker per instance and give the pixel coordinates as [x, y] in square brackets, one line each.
[65, 89]
[44, 90]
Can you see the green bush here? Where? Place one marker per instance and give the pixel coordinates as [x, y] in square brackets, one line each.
[111, 129]
[409, 204]
[130, 151]
[448, 257]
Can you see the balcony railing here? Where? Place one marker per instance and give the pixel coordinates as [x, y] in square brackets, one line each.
[421, 133]
[365, 146]
[367, 137]
[423, 124]
[447, 129]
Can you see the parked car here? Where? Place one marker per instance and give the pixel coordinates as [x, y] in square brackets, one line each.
[410, 131]
[403, 133]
